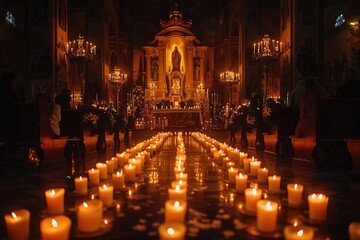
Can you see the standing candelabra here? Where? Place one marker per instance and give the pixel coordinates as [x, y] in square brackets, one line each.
[117, 79]
[231, 78]
[267, 51]
[80, 52]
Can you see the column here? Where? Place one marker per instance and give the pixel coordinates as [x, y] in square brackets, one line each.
[190, 67]
[162, 69]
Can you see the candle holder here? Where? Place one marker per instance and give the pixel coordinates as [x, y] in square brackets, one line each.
[117, 79]
[230, 78]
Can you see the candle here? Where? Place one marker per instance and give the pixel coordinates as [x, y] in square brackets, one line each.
[94, 176]
[298, 232]
[241, 182]
[103, 170]
[254, 47]
[89, 216]
[262, 175]
[110, 166]
[181, 183]
[232, 172]
[266, 216]
[137, 163]
[274, 183]
[106, 194]
[55, 228]
[172, 231]
[118, 180]
[295, 192]
[17, 224]
[181, 176]
[242, 156]
[175, 211]
[247, 164]
[254, 167]
[280, 47]
[177, 193]
[252, 195]
[230, 164]
[354, 231]
[130, 174]
[318, 203]
[179, 169]
[122, 159]
[81, 185]
[55, 201]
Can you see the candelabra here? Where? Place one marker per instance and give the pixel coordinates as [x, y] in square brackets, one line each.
[80, 52]
[267, 51]
[231, 78]
[117, 79]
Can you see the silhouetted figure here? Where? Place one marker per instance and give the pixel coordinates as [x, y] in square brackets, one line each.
[351, 87]
[232, 129]
[54, 113]
[64, 99]
[118, 126]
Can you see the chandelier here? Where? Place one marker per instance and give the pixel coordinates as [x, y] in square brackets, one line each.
[80, 50]
[153, 88]
[229, 77]
[117, 78]
[267, 49]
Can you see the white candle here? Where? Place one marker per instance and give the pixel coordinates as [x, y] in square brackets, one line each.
[110, 166]
[181, 176]
[115, 160]
[241, 182]
[172, 231]
[175, 211]
[318, 203]
[81, 185]
[137, 163]
[232, 172]
[274, 183]
[122, 159]
[181, 183]
[55, 201]
[55, 228]
[89, 216]
[106, 194]
[254, 167]
[295, 192]
[230, 164]
[252, 195]
[177, 193]
[262, 175]
[247, 164]
[103, 170]
[354, 231]
[17, 224]
[298, 233]
[118, 180]
[130, 173]
[179, 169]
[242, 157]
[94, 176]
[266, 216]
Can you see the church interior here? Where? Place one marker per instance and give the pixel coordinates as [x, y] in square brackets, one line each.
[180, 119]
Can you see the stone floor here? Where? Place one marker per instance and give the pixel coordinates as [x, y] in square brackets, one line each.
[213, 205]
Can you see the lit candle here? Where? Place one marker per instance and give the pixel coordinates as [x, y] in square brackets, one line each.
[122, 159]
[94, 176]
[81, 185]
[181, 176]
[177, 193]
[252, 195]
[266, 216]
[295, 192]
[274, 183]
[230, 164]
[175, 211]
[354, 231]
[179, 169]
[118, 180]
[137, 163]
[280, 47]
[181, 183]
[262, 175]
[242, 156]
[130, 173]
[241, 182]
[232, 172]
[298, 233]
[254, 47]
[318, 203]
[254, 166]
[110, 166]
[55, 228]
[103, 170]
[172, 231]
[55, 201]
[89, 216]
[17, 224]
[106, 194]
[247, 163]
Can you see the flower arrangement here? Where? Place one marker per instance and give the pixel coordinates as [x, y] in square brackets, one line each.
[91, 119]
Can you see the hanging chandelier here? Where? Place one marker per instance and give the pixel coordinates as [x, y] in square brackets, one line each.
[229, 77]
[118, 77]
[80, 50]
[267, 49]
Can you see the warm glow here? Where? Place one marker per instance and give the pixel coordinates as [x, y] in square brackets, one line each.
[80, 178]
[85, 204]
[52, 192]
[177, 204]
[240, 175]
[130, 166]
[13, 215]
[295, 186]
[252, 158]
[268, 206]
[320, 196]
[253, 191]
[92, 170]
[300, 233]
[106, 221]
[104, 186]
[180, 182]
[170, 231]
[177, 188]
[118, 174]
[54, 223]
[274, 177]
[295, 224]
[181, 174]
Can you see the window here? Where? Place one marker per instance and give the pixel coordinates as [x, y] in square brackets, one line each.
[339, 20]
[10, 18]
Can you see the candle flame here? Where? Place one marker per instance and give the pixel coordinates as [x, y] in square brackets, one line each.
[274, 176]
[253, 191]
[177, 188]
[252, 158]
[130, 166]
[104, 186]
[180, 182]
[313, 196]
[118, 174]
[92, 170]
[54, 223]
[295, 186]
[52, 192]
[130, 192]
[295, 224]
[80, 178]
[13, 215]
[268, 206]
[240, 175]
[320, 196]
[177, 204]
[106, 221]
[170, 231]
[181, 174]
[300, 233]
[85, 204]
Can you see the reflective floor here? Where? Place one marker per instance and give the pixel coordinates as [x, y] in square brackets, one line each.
[214, 207]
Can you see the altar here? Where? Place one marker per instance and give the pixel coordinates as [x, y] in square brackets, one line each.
[178, 118]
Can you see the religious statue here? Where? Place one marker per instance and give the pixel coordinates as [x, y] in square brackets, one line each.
[176, 59]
